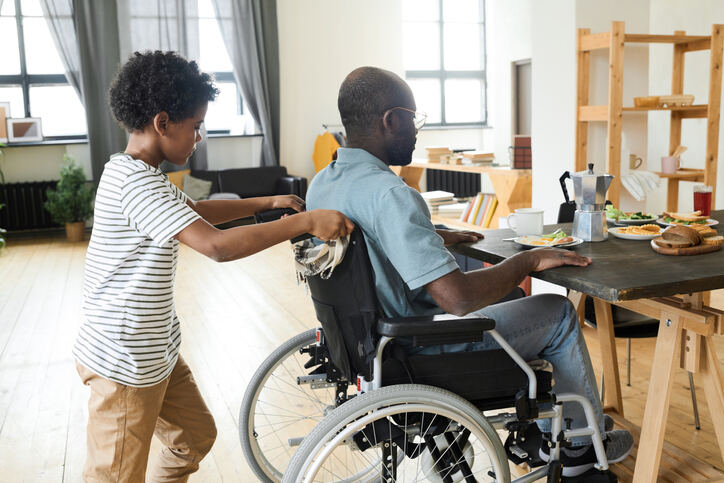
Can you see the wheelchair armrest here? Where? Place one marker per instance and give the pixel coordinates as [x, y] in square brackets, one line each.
[271, 215]
[436, 329]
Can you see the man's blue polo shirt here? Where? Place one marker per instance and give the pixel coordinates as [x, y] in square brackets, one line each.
[405, 251]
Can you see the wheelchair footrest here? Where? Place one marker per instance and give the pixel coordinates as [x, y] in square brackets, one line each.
[523, 444]
[592, 476]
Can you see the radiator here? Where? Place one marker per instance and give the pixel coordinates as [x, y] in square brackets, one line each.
[23, 208]
[462, 184]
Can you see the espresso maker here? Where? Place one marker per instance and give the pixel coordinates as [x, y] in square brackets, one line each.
[589, 219]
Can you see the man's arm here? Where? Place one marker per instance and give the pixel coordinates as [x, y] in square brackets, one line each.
[221, 211]
[460, 293]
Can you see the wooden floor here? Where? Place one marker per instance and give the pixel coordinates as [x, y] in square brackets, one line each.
[232, 316]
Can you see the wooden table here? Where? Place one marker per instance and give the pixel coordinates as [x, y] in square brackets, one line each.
[630, 274]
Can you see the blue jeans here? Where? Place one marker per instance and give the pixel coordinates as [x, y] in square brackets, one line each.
[544, 327]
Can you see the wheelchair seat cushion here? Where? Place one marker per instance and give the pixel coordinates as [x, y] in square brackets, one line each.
[490, 379]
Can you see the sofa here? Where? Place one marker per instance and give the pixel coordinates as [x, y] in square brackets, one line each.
[251, 182]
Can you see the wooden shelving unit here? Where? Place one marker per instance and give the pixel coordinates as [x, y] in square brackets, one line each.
[612, 112]
[512, 187]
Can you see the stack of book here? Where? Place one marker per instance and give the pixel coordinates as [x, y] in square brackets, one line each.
[477, 158]
[480, 210]
[435, 152]
[435, 199]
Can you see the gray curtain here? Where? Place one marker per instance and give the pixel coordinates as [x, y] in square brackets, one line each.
[249, 29]
[97, 30]
[163, 25]
[59, 16]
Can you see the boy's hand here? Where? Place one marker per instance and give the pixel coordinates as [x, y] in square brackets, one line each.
[329, 224]
[452, 237]
[287, 201]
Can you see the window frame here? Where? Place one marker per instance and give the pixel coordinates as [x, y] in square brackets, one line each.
[442, 75]
[25, 80]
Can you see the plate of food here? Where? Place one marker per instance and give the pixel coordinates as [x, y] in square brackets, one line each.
[619, 217]
[555, 239]
[687, 219]
[636, 232]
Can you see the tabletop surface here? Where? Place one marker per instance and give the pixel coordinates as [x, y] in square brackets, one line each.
[621, 269]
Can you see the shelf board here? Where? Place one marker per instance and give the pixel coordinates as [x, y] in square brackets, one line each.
[455, 223]
[665, 39]
[600, 113]
[469, 168]
[685, 174]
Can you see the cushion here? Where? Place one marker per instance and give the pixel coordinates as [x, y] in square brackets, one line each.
[250, 182]
[195, 188]
[177, 178]
[207, 175]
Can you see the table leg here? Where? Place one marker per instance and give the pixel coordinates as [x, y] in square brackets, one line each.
[578, 300]
[666, 359]
[713, 387]
[607, 341]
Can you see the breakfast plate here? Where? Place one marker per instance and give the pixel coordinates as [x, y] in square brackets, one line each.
[642, 221]
[625, 233]
[536, 241]
[709, 222]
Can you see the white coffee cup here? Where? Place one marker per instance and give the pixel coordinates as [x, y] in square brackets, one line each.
[526, 221]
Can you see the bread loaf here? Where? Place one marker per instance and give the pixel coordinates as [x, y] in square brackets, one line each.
[682, 233]
[713, 240]
[672, 243]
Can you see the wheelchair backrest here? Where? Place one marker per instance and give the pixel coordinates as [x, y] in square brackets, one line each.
[346, 305]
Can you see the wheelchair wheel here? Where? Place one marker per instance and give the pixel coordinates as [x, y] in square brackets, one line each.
[276, 412]
[440, 436]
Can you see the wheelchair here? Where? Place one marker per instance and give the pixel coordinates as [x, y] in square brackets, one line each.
[348, 402]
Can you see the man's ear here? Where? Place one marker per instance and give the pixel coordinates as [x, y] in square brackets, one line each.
[160, 122]
[387, 121]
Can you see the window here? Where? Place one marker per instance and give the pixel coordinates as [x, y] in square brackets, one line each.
[444, 55]
[227, 113]
[32, 77]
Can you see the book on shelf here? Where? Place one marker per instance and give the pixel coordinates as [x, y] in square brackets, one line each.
[435, 152]
[477, 158]
[451, 210]
[480, 210]
[476, 207]
[491, 212]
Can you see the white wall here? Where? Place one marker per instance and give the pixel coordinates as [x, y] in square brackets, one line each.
[321, 41]
[42, 163]
[509, 39]
[696, 18]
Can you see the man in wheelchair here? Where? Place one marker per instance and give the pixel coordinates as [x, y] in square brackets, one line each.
[415, 275]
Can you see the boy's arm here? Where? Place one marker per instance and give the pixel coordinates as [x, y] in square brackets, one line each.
[242, 241]
[221, 211]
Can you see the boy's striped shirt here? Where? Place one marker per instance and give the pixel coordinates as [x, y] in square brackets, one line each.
[131, 333]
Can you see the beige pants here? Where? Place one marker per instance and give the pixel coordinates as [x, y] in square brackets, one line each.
[122, 420]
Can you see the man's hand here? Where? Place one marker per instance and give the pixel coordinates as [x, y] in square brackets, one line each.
[452, 237]
[545, 258]
[287, 201]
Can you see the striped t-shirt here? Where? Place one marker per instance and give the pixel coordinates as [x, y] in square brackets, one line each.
[130, 333]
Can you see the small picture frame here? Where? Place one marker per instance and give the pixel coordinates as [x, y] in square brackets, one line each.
[4, 114]
[23, 130]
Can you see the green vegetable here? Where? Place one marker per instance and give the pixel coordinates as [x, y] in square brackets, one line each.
[555, 234]
[612, 212]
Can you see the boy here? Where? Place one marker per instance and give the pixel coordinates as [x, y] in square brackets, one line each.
[127, 349]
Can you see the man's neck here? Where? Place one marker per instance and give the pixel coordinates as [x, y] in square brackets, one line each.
[374, 149]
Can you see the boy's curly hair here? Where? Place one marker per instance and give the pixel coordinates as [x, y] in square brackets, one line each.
[151, 82]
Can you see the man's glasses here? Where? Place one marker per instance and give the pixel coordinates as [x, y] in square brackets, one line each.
[418, 118]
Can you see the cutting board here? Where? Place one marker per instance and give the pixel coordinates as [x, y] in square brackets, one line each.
[695, 250]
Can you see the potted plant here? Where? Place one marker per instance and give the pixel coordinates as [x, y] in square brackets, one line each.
[72, 202]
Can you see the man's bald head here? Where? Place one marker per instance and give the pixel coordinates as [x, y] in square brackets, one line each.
[365, 94]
